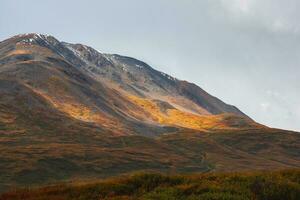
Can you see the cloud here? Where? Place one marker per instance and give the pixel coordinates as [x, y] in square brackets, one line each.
[238, 6]
[265, 106]
[274, 15]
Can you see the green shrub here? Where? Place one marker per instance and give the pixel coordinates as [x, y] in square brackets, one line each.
[282, 185]
[264, 189]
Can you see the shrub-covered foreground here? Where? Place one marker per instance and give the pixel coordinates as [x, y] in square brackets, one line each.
[251, 185]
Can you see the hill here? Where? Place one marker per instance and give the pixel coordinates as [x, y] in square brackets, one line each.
[69, 112]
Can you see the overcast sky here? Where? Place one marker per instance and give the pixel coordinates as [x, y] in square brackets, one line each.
[245, 52]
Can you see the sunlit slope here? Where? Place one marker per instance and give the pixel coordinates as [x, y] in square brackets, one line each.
[67, 88]
[140, 79]
[164, 113]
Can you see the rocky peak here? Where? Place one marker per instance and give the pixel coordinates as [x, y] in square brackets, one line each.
[35, 38]
[89, 55]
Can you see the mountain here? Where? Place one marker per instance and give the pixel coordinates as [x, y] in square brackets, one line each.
[70, 112]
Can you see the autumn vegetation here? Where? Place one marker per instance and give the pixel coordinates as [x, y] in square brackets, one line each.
[261, 185]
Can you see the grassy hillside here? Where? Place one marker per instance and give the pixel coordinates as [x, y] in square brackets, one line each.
[249, 185]
[39, 157]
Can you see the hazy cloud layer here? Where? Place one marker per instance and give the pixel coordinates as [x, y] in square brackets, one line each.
[245, 52]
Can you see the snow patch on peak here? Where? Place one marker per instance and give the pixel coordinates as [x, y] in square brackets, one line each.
[168, 76]
[76, 53]
[36, 36]
[32, 38]
[26, 41]
[32, 35]
[109, 57]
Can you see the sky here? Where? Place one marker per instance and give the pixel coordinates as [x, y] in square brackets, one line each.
[245, 52]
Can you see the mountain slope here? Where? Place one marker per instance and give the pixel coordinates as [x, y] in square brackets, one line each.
[70, 112]
[140, 79]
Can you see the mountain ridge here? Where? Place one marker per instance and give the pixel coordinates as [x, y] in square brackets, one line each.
[126, 76]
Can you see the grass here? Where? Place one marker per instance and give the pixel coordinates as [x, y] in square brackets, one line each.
[259, 185]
